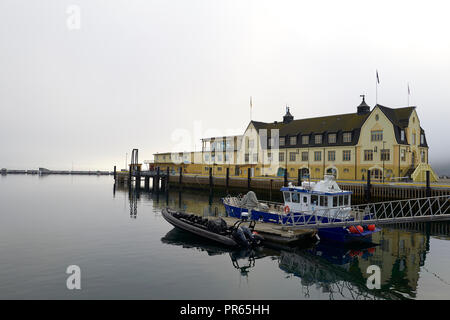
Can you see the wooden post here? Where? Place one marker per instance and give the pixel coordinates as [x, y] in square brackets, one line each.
[270, 190]
[138, 177]
[157, 179]
[129, 175]
[115, 174]
[299, 181]
[249, 178]
[180, 181]
[227, 181]
[368, 187]
[428, 190]
[285, 177]
[146, 183]
[210, 179]
[167, 179]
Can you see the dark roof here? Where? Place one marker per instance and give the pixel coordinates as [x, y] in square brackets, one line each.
[399, 116]
[350, 122]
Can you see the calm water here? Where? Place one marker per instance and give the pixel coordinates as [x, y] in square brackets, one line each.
[126, 250]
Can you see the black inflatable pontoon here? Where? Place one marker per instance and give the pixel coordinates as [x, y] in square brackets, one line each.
[216, 230]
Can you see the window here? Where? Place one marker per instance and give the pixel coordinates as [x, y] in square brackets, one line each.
[317, 156]
[318, 139]
[295, 197]
[346, 155]
[368, 155]
[402, 155]
[287, 196]
[282, 140]
[346, 200]
[422, 155]
[251, 144]
[314, 199]
[347, 137]
[219, 168]
[305, 199]
[255, 157]
[293, 141]
[402, 135]
[247, 157]
[304, 156]
[305, 139]
[422, 139]
[413, 138]
[292, 156]
[269, 156]
[219, 158]
[335, 201]
[206, 157]
[385, 156]
[323, 201]
[281, 156]
[332, 138]
[331, 155]
[376, 135]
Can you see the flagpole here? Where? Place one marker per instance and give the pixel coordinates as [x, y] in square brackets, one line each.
[408, 94]
[376, 91]
[251, 107]
[377, 81]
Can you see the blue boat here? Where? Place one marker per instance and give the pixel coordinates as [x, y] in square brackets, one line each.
[311, 203]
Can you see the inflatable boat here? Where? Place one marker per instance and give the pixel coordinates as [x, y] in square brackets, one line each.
[214, 229]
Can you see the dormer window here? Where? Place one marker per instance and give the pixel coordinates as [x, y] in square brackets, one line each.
[347, 137]
[305, 139]
[282, 140]
[293, 141]
[332, 138]
[318, 139]
[402, 135]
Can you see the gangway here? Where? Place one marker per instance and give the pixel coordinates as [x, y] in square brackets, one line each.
[388, 212]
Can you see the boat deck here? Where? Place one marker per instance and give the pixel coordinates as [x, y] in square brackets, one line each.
[277, 233]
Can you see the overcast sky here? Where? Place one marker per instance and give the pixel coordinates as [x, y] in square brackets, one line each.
[142, 74]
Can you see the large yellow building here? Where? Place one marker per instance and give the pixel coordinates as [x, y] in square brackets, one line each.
[388, 142]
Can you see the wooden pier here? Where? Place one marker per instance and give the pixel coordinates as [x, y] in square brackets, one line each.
[276, 233]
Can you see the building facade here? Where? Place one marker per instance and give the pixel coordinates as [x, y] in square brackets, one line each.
[389, 142]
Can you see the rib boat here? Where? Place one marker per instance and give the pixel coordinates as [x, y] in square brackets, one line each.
[215, 230]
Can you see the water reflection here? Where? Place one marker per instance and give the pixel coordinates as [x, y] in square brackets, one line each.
[339, 272]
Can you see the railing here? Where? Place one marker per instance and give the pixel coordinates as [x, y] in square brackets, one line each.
[389, 212]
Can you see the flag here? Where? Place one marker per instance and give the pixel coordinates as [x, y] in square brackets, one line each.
[251, 104]
[409, 91]
[378, 79]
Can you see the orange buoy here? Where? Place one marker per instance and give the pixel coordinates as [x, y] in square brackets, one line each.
[287, 209]
[360, 229]
[352, 229]
[371, 227]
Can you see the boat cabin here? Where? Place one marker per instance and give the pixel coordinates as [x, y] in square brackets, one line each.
[325, 194]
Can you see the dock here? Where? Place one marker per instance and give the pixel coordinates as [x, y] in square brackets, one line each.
[278, 234]
[363, 191]
[44, 171]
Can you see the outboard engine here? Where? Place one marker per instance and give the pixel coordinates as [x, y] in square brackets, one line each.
[245, 238]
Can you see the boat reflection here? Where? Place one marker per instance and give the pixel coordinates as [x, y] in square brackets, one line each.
[338, 271]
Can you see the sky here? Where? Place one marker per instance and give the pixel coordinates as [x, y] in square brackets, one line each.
[83, 82]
